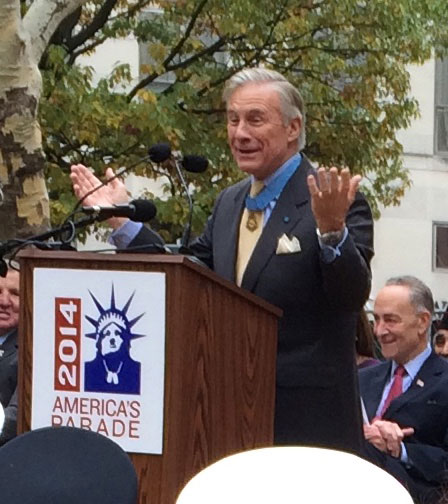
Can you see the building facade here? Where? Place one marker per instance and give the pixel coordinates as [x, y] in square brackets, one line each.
[413, 237]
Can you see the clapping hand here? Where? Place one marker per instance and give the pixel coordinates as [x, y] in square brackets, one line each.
[387, 436]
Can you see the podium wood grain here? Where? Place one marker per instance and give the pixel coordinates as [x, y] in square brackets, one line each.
[219, 365]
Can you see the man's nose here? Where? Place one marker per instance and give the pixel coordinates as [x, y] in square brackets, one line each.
[5, 299]
[242, 130]
[379, 328]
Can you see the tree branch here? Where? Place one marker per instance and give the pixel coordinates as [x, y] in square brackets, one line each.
[340, 123]
[174, 52]
[176, 49]
[66, 27]
[182, 64]
[259, 51]
[42, 20]
[89, 31]
[98, 41]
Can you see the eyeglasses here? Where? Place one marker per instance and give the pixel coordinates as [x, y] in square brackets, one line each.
[439, 339]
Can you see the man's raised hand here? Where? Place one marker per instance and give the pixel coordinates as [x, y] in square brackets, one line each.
[332, 193]
[112, 193]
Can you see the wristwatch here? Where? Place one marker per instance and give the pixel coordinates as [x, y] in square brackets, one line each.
[332, 238]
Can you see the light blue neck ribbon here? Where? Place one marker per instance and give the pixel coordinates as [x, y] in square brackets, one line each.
[274, 188]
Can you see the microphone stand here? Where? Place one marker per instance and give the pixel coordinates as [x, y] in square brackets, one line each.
[185, 240]
[39, 240]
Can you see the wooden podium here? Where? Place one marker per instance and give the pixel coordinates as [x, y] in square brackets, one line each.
[220, 356]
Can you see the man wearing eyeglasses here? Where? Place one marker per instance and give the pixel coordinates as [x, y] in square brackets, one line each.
[440, 339]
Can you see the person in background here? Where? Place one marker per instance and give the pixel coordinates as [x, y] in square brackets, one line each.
[9, 320]
[440, 338]
[365, 342]
[406, 397]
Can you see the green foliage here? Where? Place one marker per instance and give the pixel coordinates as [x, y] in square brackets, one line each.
[348, 58]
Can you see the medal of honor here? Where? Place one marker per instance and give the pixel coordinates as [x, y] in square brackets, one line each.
[251, 222]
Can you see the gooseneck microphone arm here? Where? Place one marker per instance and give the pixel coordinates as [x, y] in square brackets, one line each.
[40, 240]
[185, 240]
[137, 210]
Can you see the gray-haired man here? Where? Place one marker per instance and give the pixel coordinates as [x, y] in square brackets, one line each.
[406, 397]
[298, 238]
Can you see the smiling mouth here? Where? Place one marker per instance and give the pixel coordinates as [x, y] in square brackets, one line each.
[246, 152]
[387, 340]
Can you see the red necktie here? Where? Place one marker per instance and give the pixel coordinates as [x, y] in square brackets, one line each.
[396, 389]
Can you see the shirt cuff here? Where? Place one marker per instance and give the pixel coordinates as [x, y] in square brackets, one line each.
[404, 454]
[330, 253]
[123, 236]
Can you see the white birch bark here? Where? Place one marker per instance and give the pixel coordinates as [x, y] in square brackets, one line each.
[25, 207]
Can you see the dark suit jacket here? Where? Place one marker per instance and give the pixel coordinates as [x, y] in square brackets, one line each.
[317, 400]
[424, 406]
[8, 368]
[9, 430]
[8, 384]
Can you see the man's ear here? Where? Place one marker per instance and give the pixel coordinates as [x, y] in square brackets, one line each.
[424, 321]
[294, 129]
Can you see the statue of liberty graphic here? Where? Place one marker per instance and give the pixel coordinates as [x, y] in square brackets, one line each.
[113, 369]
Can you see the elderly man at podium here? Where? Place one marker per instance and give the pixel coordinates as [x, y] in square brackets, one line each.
[299, 238]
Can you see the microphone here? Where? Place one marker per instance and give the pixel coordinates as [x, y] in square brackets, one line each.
[159, 153]
[194, 164]
[138, 210]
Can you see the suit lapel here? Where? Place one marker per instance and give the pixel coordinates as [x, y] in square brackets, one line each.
[373, 390]
[9, 346]
[288, 211]
[426, 376]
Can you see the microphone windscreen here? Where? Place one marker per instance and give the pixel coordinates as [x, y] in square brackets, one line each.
[159, 152]
[145, 210]
[195, 164]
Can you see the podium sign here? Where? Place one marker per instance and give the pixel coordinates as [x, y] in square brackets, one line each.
[99, 354]
[142, 348]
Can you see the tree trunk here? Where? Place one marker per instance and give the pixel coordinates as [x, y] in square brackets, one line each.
[24, 205]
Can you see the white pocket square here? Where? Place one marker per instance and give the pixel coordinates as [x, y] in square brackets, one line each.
[287, 245]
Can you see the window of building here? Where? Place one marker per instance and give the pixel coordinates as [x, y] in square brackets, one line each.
[440, 246]
[441, 108]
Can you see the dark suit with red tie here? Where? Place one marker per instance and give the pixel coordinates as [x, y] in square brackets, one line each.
[424, 407]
